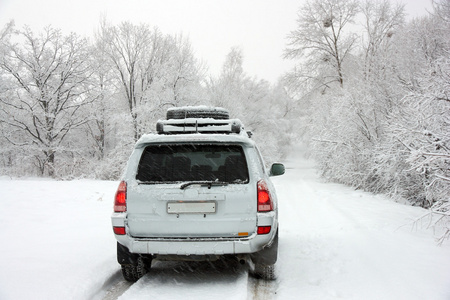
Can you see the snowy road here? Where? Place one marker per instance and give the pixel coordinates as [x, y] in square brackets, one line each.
[335, 243]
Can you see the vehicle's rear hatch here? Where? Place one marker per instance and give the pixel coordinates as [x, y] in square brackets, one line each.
[192, 191]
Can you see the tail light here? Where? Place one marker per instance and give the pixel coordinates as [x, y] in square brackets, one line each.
[264, 199]
[120, 201]
[264, 229]
[119, 230]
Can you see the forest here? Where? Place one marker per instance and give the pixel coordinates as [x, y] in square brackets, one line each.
[369, 98]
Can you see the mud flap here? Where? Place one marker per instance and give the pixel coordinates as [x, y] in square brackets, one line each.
[125, 257]
[268, 255]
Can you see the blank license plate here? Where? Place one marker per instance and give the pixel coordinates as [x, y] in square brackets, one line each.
[191, 207]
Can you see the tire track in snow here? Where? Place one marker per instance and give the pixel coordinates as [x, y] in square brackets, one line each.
[115, 286]
[258, 289]
[117, 290]
[220, 279]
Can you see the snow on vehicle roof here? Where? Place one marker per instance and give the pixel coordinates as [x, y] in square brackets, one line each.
[194, 138]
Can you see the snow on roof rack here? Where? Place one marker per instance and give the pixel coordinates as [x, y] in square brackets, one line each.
[186, 112]
[201, 125]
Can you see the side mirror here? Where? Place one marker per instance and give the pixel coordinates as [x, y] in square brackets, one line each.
[277, 169]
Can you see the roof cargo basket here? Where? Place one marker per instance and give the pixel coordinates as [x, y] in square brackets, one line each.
[193, 125]
[198, 119]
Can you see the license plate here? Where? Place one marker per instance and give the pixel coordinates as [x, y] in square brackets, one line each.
[191, 207]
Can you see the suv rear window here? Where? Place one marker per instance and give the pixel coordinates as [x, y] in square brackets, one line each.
[188, 162]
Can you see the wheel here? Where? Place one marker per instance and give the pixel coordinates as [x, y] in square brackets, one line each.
[198, 112]
[133, 265]
[133, 273]
[129, 272]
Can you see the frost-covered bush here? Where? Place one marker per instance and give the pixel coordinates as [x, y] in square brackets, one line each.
[112, 166]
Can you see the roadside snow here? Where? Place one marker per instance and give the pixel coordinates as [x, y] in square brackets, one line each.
[338, 243]
[335, 243]
[56, 238]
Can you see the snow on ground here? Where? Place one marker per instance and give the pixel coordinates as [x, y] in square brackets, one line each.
[338, 243]
[56, 238]
[335, 243]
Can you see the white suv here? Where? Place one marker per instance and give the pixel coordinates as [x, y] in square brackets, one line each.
[196, 190]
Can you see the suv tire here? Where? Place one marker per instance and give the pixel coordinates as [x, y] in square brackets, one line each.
[134, 266]
[133, 273]
[213, 113]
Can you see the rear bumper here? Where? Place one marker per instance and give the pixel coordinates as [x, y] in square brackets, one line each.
[194, 247]
[198, 246]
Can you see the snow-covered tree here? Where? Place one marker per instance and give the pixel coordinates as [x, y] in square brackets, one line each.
[386, 129]
[132, 52]
[46, 79]
[381, 22]
[226, 89]
[321, 40]
[155, 71]
[422, 125]
[264, 109]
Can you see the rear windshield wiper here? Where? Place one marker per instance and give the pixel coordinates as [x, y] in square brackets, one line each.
[207, 183]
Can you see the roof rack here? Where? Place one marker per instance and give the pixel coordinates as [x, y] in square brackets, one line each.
[186, 112]
[200, 125]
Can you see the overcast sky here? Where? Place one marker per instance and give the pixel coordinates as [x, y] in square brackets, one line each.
[258, 27]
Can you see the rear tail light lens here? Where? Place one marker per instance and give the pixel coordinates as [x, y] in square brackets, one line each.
[264, 199]
[264, 229]
[120, 201]
[119, 230]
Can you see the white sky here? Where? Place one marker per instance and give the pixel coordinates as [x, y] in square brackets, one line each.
[258, 27]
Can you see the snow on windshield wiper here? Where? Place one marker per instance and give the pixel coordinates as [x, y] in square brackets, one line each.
[208, 183]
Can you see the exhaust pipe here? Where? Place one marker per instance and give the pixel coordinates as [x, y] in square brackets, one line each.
[242, 259]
